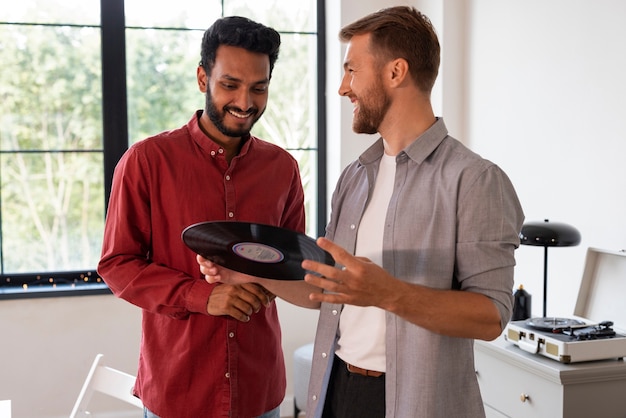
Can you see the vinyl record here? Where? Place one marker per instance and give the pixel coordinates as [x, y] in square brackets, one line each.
[551, 324]
[259, 250]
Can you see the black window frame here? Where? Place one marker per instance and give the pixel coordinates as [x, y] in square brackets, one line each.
[115, 143]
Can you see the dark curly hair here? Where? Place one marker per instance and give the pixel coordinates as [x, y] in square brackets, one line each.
[239, 32]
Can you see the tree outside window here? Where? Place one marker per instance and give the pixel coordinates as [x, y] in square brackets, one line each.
[52, 147]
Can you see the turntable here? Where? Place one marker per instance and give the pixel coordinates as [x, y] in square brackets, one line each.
[578, 339]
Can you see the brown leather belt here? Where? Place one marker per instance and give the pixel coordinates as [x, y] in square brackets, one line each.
[363, 372]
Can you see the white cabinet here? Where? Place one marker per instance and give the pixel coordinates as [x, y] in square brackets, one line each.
[518, 384]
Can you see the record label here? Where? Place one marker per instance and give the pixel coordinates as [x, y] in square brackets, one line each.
[259, 250]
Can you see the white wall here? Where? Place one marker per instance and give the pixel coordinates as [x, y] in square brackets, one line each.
[47, 346]
[537, 87]
[547, 102]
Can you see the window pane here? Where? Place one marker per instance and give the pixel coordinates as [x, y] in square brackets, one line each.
[198, 14]
[290, 119]
[282, 15]
[52, 211]
[52, 174]
[307, 160]
[50, 87]
[52, 203]
[291, 116]
[162, 88]
[82, 12]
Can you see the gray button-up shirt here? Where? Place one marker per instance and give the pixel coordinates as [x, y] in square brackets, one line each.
[453, 222]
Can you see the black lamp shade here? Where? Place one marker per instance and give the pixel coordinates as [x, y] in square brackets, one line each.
[549, 234]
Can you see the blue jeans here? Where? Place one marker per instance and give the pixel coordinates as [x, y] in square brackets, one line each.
[274, 413]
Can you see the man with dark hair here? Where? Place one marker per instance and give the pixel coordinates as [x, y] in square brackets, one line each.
[207, 350]
[423, 231]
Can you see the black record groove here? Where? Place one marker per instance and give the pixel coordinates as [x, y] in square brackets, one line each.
[552, 324]
[259, 250]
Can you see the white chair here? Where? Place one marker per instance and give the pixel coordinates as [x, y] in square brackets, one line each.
[112, 382]
[5, 408]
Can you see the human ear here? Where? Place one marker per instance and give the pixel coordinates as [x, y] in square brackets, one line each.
[202, 78]
[398, 71]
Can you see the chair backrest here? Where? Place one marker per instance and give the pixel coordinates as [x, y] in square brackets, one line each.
[5, 408]
[112, 382]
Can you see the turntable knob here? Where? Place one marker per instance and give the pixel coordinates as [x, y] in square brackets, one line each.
[523, 397]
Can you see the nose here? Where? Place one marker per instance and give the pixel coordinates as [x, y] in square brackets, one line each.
[243, 100]
[344, 87]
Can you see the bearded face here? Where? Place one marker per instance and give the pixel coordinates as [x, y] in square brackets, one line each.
[373, 104]
[236, 86]
[232, 121]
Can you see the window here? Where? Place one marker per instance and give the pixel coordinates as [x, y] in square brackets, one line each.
[79, 83]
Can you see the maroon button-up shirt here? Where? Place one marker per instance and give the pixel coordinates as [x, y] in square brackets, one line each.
[193, 364]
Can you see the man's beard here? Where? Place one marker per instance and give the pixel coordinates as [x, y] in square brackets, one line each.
[217, 117]
[370, 114]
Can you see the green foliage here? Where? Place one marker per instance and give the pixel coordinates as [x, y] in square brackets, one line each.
[51, 170]
[291, 115]
[161, 80]
[51, 145]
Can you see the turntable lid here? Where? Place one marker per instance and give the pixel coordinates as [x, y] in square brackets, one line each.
[603, 287]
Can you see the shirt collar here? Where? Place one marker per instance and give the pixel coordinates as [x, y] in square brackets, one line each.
[418, 150]
[206, 143]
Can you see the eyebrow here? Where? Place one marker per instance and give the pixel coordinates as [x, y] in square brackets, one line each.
[348, 63]
[238, 80]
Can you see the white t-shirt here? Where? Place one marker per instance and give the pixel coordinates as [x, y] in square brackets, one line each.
[362, 329]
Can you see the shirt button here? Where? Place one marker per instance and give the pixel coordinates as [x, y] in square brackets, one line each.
[231, 215]
[212, 153]
[324, 355]
[353, 226]
[314, 397]
[335, 312]
[227, 375]
[227, 177]
[231, 335]
[221, 151]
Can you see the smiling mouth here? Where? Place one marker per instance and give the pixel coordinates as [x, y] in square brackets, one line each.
[241, 115]
[355, 104]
